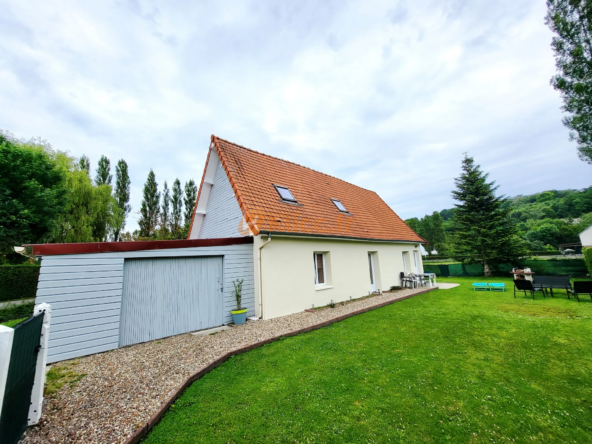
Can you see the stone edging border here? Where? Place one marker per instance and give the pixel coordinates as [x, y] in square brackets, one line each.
[143, 431]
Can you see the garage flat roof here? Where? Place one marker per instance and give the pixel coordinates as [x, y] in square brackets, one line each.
[110, 247]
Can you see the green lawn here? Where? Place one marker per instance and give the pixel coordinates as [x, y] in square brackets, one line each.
[13, 322]
[447, 366]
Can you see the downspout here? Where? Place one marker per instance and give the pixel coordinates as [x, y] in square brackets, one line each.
[261, 274]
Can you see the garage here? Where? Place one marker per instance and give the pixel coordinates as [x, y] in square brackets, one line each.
[112, 294]
[166, 297]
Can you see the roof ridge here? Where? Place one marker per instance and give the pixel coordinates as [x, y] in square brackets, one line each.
[293, 163]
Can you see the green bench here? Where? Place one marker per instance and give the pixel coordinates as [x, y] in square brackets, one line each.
[491, 287]
[497, 287]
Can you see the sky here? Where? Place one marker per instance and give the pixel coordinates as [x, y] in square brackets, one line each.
[385, 95]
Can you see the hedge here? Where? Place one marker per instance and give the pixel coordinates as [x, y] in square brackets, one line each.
[452, 257]
[588, 258]
[553, 267]
[16, 312]
[18, 281]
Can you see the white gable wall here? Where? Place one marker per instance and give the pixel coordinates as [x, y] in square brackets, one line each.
[223, 214]
[586, 237]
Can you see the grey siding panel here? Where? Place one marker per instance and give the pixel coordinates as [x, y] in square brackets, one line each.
[85, 292]
[45, 277]
[73, 283]
[223, 213]
[166, 297]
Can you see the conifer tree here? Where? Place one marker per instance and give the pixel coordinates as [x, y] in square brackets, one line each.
[165, 211]
[122, 196]
[150, 208]
[104, 176]
[177, 210]
[485, 233]
[189, 201]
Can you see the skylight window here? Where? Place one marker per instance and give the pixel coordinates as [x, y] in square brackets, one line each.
[339, 205]
[285, 193]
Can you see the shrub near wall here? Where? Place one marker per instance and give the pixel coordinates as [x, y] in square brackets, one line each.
[18, 281]
[588, 259]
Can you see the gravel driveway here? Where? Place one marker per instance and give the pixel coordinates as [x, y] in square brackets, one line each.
[123, 388]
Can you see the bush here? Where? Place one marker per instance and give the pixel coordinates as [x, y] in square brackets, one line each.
[14, 311]
[18, 281]
[588, 259]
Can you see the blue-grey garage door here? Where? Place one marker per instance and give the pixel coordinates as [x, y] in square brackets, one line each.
[165, 297]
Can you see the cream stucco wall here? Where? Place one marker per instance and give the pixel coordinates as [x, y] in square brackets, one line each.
[288, 271]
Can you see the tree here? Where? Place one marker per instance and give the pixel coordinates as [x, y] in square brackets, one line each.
[413, 224]
[177, 212]
[104, 176]
[32, 193]
[122, 196]
[189, 201]
[486, 233]
[165, 212]
[438, 234]
[150, 208]
[571, 20]
[84, 164]
[103, 212]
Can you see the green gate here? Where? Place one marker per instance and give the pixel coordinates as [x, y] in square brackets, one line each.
[20, 379]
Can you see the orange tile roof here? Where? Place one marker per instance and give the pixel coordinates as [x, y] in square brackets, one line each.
[253, 174]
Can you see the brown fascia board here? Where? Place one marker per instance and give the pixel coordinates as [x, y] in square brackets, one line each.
[116, 247]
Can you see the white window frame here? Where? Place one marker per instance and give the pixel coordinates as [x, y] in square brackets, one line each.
[277, 188]
[337, 201]
[316, 268]
[404, 263]
[416, 260]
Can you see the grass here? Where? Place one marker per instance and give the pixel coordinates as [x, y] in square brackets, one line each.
[446, 366]
[60, 375]
[12, 323]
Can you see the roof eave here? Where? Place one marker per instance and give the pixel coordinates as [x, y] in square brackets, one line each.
[336, 236]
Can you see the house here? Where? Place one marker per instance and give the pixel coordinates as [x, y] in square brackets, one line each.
[586, 237]
[296, 237]
[316, 238]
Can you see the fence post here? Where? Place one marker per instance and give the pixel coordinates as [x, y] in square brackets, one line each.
[39, 384]
[6, 337]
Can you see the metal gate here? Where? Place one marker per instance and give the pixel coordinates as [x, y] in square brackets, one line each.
[170, 296]
[20, 379]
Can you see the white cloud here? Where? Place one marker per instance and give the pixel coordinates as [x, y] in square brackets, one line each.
[387, 95]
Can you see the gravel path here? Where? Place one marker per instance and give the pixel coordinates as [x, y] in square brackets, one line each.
[123, 388]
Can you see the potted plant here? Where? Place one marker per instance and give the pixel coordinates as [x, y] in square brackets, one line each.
[239, 316]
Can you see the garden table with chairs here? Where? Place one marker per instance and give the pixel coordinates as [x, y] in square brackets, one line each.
[414, 280]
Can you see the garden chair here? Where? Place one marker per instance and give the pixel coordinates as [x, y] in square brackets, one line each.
[406, 281]
[525, 285]
[582, 287]
[480, 286]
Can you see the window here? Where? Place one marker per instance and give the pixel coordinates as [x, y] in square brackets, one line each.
[405, 262]
[416, 261]
[339, 205]
[319, 264]
[285, 193]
